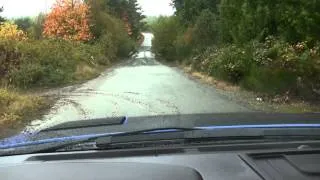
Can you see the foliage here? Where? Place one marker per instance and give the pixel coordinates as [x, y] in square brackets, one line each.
[8, 56]
[69, 20]
[1, 18]
[109, 31]
[244, 20]
[15, 107]
[8, 30]
[130, 12]
[165, 32]
[149, 20]
[205, 29]
[36, 28]
[23, 23]
[282, 67]
[272, 67]
[184, 44]
[47, 62]
[241, 21]
[39, 61]
[266, 46]
[189, 10]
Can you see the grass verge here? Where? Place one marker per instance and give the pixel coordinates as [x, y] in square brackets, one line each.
[255, 101]
[16, 108]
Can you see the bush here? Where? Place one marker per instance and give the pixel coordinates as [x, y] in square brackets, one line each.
[205, 31]
[165, 31]
[27, 75]
[16, 107]
[274, 67]
[111, 36]
[126, 45]
[230, 63]
[36, 28]
[9, 57]
[183, 44]
[10, 31]
[23, 23]
[47, 62]
[288, 67]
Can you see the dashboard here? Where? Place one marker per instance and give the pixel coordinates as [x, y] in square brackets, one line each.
[299, 160]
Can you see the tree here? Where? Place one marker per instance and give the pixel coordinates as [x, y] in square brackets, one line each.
[1, 18]
[205, 31]
[23, 23]
[293, 21]
[69, 20]
[109, 31]
[130, 12]
[9, 30]
[36, 29]
[165, 31]
[189, 10]
[99, 17]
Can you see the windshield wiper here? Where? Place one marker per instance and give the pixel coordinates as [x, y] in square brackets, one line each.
[182, 136]
[250, 132]
[53, 144]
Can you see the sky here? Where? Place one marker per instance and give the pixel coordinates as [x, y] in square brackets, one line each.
[20, 8]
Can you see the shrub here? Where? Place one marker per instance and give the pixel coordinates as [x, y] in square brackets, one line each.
[111, 35]
[9, 57]
[23, 23]
[183, 44]
[205, 31]
[46, 62]
[14, 107]
[230, 63]
[274, 67]
[36, 28]
[289, 67]
[27, 75]
[10, 31]
[165, 30]
[68, 20]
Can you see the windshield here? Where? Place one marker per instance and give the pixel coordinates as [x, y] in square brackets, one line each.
[84, 64]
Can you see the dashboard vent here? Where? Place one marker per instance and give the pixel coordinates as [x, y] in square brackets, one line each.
[285, 165]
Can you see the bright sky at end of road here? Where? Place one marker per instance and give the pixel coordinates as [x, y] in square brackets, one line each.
[156, 7]
[21, 8]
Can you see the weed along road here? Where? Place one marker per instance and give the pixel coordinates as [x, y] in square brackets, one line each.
[138, 87]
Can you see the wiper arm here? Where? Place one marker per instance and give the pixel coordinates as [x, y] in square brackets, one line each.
[53, 144]
[50, 145]
[187, 135]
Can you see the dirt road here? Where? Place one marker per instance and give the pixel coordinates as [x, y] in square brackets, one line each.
[141, 86]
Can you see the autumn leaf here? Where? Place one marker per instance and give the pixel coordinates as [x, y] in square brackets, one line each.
[9, 30]
[69, 20]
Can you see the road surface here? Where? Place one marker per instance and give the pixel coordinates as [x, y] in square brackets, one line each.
[141, 86]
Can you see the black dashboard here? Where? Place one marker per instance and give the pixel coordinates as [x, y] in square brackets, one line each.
[299, 160]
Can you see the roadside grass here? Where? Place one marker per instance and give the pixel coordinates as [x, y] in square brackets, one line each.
[16, 108]
[256, 101]
[86, 72]
[296, 107]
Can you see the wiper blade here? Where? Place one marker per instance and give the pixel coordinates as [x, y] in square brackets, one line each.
[51, 145]
[198, 137]
[226, 131]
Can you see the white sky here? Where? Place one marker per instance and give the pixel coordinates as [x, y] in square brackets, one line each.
[19, 8]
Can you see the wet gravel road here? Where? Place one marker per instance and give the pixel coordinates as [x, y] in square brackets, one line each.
[138, 87]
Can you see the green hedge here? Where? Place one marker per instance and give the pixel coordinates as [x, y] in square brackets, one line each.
[273, 67]
[46, 62]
